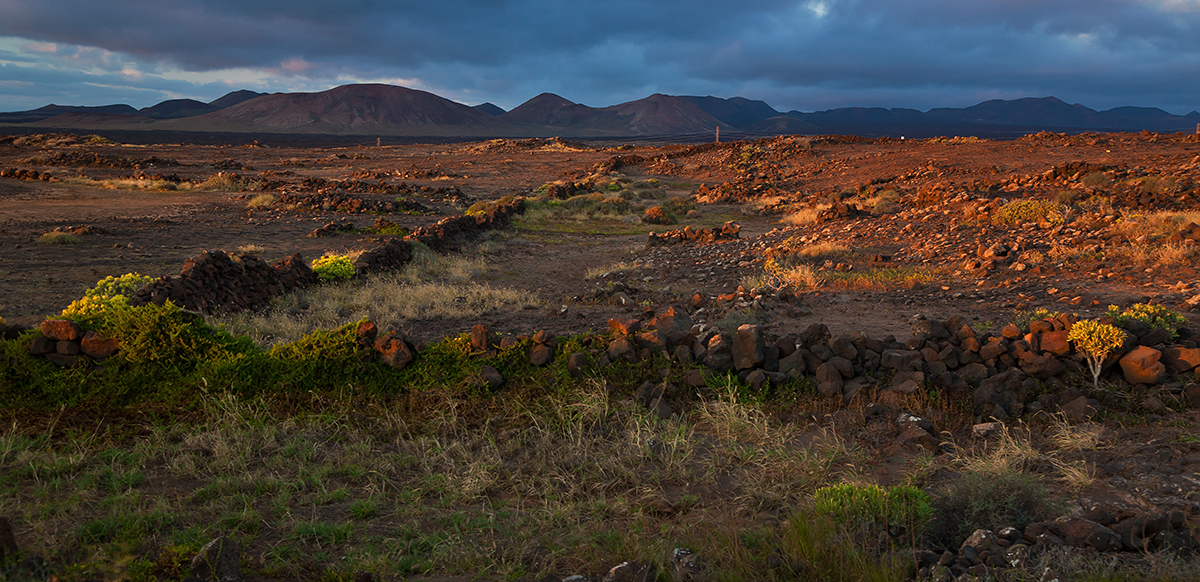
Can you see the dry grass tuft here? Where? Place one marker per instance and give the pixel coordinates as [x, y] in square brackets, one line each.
[803, 216]
[431, 287]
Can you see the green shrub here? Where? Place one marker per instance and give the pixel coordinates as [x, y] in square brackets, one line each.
[991, 500]
[1155, 315]
[108, 298]
[1023, 318]
[1019, 211]
[58, 237]
[876, 510]
[481, 207]
[333, 267]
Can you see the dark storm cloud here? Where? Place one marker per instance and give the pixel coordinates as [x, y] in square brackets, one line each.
[805, 55]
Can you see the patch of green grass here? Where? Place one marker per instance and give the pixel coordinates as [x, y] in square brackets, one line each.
[57, 237]
[323, 533]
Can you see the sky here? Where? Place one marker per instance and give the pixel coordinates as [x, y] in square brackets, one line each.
[808, 55]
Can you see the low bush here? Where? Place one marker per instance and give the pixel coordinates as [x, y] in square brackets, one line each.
[876, 511]
[333, 267]
[656, 215]
[1155, 316]
[58, 237]
[1019, 211]
[987, 500]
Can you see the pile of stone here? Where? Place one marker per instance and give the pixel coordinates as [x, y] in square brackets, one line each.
[987, 553]
[333, 228]
[1003, 371]
[564, 190]
[338, 200]
[840, 211]
[67, 345]
[96, 160]
[389, 256]
[215, 282]
[26, 174]
[729, 231]
[617, 162]
[442, 233]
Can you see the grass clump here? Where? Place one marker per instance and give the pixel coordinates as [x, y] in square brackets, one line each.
[987, 500]
[261, 201]
[227, 182]
[876, 511]
[58, 237]
[333, 267]
[1019, 211]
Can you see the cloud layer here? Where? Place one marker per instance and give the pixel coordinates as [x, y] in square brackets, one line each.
[805, 55]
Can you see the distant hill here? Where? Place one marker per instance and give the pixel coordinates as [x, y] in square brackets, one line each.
[996, 117]
[233, 98]
[367, 109]
[654, 115]
[176, 108]
[49, 111]
[388, 110]
[489, 108]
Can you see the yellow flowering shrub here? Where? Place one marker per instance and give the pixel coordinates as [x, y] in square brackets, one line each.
[1154, 315]
[1096, 340]
[1019, 211]
[98, 304]
[333, 267]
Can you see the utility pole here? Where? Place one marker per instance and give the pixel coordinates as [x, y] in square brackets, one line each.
[719, 132]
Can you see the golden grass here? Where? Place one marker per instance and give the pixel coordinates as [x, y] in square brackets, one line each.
[804, 216]
[261, 201]
[1154, 225]
[431, 287]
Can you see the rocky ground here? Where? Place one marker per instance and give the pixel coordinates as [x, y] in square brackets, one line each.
[856, 235]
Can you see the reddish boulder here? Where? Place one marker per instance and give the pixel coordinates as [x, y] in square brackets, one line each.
[1181, 360]
[540, 355]
[1055, 342]
[61, 329]
[394, 351]
[98, 346]
[1142, 366]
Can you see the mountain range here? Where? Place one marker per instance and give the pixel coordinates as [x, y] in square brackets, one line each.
[389, 110]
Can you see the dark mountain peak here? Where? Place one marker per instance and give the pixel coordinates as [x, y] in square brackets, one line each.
[374, 109]
[234, 97]
[176, 108]
[547, 109]
[736, 111]
[489, 108]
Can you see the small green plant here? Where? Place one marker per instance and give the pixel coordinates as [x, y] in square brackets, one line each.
[1019, 211]
[333, 267]
[1096, 340]
[1024, 317]
[876, 509]
[58, 237]
[1154, 315]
